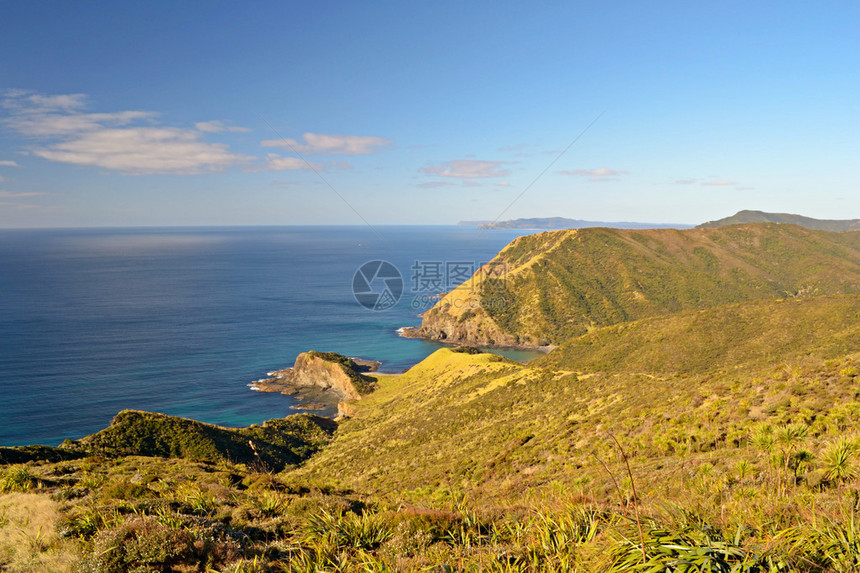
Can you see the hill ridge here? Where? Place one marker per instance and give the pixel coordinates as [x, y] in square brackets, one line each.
[548, 287]
[751, 216]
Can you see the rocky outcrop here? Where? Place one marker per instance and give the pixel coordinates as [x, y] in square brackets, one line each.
[334, 373]
[342, 376]
[345, 410]
[474, 328]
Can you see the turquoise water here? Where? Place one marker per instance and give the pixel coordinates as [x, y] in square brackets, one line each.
[180, 320]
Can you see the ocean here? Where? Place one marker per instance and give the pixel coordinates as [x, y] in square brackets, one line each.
[181, 320]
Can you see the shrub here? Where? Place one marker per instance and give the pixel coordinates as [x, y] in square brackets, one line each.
[17, 478]
[144, 544]
[838, 461]
[270, 503]
[848, 372]
[82, 523]
[126, 490]
[407, 540]
[348, 531]
[466, 350]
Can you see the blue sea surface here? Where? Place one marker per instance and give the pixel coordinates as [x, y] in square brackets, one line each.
[180, 320]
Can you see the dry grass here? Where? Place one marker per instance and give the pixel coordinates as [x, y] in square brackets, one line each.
[28, 539]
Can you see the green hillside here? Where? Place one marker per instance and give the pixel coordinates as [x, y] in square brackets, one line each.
[549, 287]
[477, 421]
[746, 217]
[759, 334]
[273, 445]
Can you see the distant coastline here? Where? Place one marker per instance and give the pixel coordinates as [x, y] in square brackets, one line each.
[557, 223]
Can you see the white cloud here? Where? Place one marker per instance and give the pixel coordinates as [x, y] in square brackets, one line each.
[467, 169]
[11, 195]
[331, 144]
[595, 173]
[114, 141]
[502, 184]
[275, 162]
[134, 142]
[718, 183]
[139, 150]
[684, 181]
[40, 103]
[56, 124]
[218, 126]
[5, 203]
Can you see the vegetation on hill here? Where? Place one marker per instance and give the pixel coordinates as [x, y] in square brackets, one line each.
[746, 217]
[718, 431]
[23, 454]
[550, 287]
[760, 333]
[518, 427]
[274, 445]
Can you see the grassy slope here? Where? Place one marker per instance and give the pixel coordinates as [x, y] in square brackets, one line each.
[28, 541]
[761, 333]
[560, 284]
[475, 422]
[136, 513]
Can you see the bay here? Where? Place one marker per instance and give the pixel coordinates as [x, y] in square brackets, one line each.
[180, 320]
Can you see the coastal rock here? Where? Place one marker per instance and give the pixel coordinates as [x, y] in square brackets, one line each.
[467, 315]
[345, 410]
[328, 371]
[463, 315]
[443, 323]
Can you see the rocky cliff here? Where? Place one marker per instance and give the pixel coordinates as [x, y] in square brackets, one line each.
[473, 327]
[328, 371]
[468, 314]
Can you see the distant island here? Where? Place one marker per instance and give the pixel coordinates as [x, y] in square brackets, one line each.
[556, 223]
[746, 216]
[740, 218]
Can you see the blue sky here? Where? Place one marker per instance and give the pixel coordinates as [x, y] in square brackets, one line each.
[193, 113]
